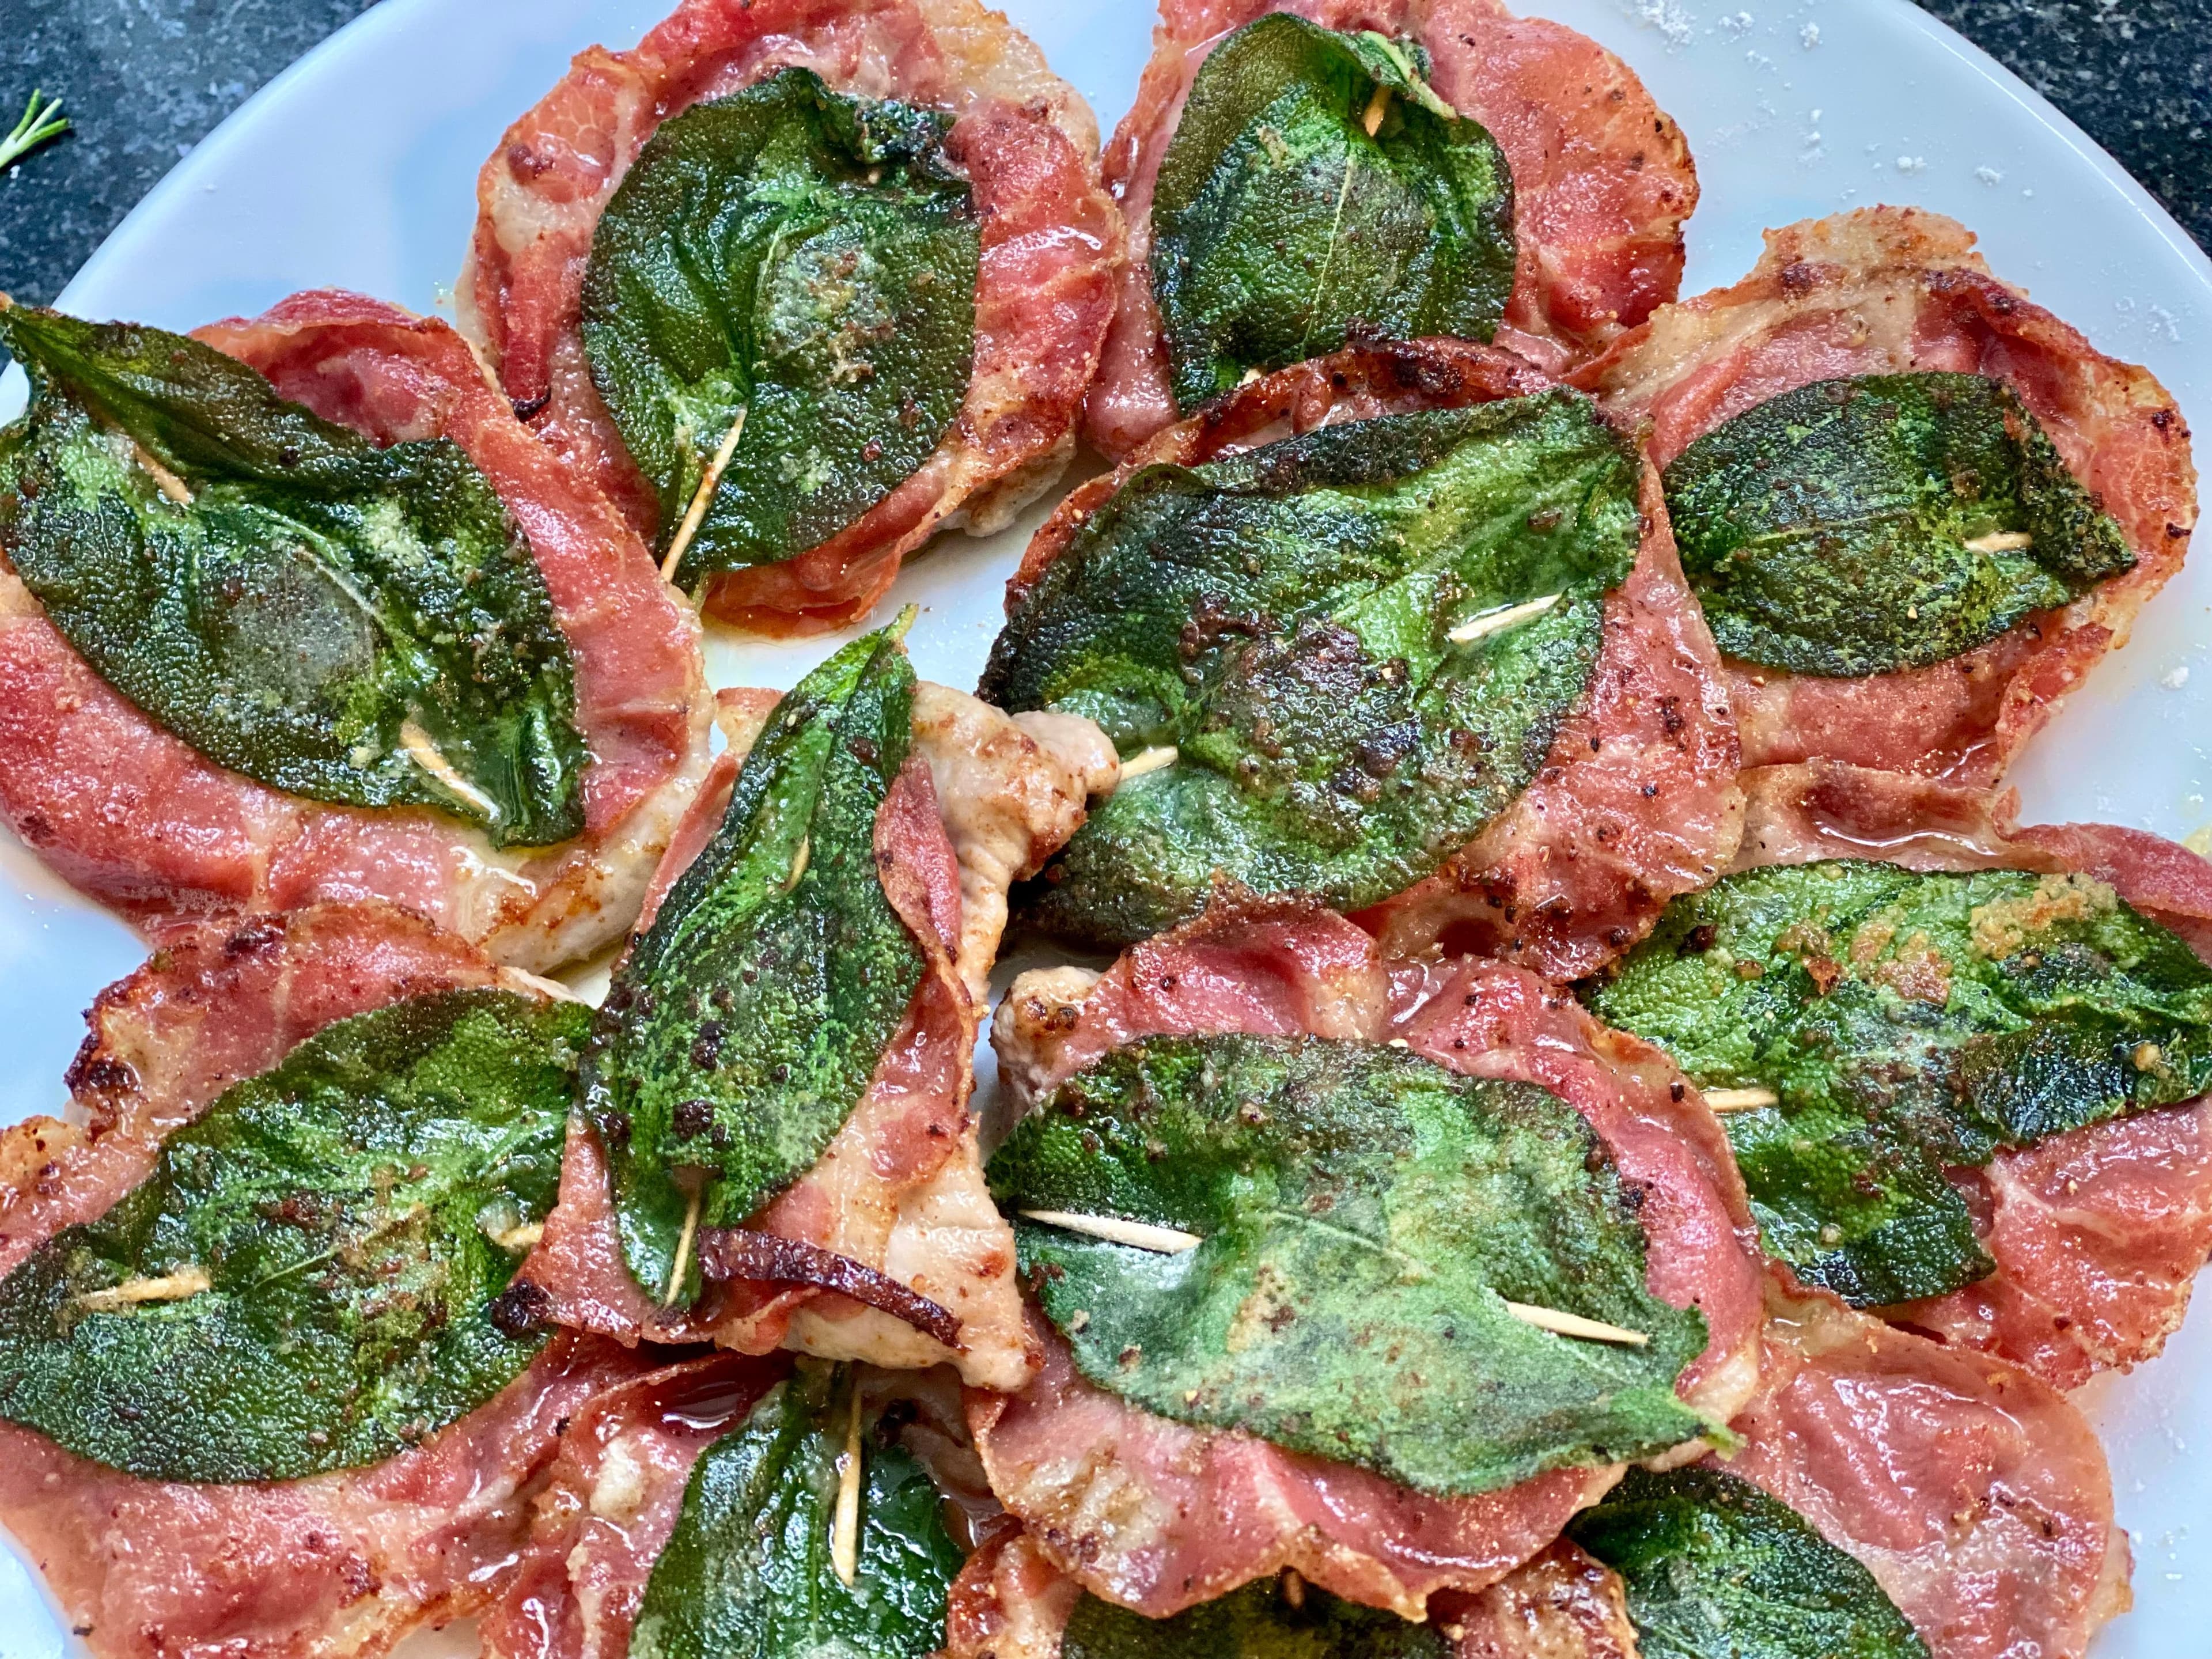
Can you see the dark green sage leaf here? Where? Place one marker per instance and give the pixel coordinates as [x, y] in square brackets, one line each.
[1908, 1023]
[353, 624]
[1367, 1214]
[1716, 1568]
[747, 1573]
[1280, 224]
[1282, 618]
[806, 260]
[1827, 530]
[744, 1025]
[342, 1216]
[1255, 1622]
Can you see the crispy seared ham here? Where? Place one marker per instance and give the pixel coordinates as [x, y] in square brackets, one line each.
[346, 1562]
[604, 1510]
[607, 1507]
[1158, 1516]
[2099, 1233]
[1884, 291]
[899, 1195]
[1602, 179]
[1636, 803]
[1011, 1602]
[141, 821]
[1977, 1496]
[1052, 246]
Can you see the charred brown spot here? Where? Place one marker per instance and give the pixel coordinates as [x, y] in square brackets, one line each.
[739, 1252]
[252, 938]
[522, 1307]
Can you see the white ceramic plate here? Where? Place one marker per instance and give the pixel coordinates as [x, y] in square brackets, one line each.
[356, 168]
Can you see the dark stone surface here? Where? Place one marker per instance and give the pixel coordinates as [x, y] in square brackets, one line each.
[149, 77]
[145, 80]
[2135, 75]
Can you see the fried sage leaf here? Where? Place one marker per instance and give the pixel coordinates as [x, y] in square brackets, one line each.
[1908, 1022]
[748, 1572]
[1283, 620]
[1281, 221]
[1716, 1568]
[1255, 1622]
[1367, 1214]
[803, 262]
[744, 1025]
[1891, 521]
[310, 1278]
[354, 624]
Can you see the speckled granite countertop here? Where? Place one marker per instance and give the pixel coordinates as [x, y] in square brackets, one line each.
[150, 77]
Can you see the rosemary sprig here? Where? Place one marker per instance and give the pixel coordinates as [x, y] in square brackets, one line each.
[36, 127]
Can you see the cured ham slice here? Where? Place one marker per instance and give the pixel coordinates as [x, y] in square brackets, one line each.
[1011, 1602]
[152, 1569]
[219, 1003]
[605, 1508]
[137, 818]
[1888, 290]
[1637, 802]
[608, 1504]
[1977, 1496]
[900, 1192]
[1559, 1605]
[347, 1562]
[2099, 1233]
[1158, 1516]
[1052, 246]
[1602, 179]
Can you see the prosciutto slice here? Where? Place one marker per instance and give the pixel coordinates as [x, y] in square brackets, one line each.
[2099, 1233]
[1888, 290]
[1637, 802]
[141, 821]
[1977, 1496]
[1011, 1602]
[605, 1508]
[353, 1559]
[1158, 1516]
[1052, 246]
[1602, 180]
[900, 1191]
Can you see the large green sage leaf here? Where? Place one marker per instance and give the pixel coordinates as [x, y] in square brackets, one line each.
[805, 261]
[1830, 531]
[1908, 1023]
[350, 623]
[1255, 1622]
[747, 1573]
[744, 1025]
[1280, 224]
[1366, 1215]
[312, 1277]
[1716, 1568]
[1282, 619]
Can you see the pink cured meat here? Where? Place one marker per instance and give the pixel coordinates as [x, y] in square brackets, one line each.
[2099, 1233]
[1602, 180]
[899, 1190]
[351, 1560]
[139, 820]
[1637, 802]
[151, 1570]
[1157, 1516]
[1011, 1602]
[1052, 245]
[605, 1508]
[1976, 1495]
[1888, 290]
